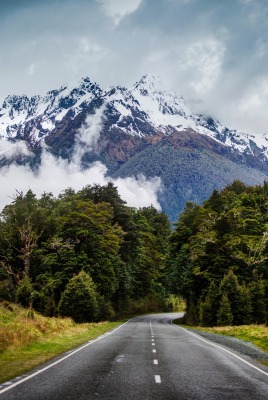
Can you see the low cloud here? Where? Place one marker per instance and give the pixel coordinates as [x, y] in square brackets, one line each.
[88, 134]
[11, 149]
[139, 192]
[56, 174]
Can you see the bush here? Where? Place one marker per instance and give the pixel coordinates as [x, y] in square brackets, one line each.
[79, 299]
[24, 291]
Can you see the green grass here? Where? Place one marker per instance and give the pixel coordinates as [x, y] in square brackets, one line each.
[26, 343]
[256, 334]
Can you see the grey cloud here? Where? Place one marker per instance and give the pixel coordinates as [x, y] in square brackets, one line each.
[212, 50]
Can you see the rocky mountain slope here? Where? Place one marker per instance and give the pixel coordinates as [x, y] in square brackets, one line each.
[143, 130]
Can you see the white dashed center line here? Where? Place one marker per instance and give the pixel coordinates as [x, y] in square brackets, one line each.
[157, 378]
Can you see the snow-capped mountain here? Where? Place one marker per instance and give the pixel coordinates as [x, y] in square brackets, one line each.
[145, 130]
[34, 118]
[145, 109]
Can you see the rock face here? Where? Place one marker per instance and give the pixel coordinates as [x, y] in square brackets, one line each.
[143, 130]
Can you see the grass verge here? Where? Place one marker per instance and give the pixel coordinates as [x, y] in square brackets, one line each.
[26, 343]
[256, 334]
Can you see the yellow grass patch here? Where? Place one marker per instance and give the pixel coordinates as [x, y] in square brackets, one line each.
[26, 342]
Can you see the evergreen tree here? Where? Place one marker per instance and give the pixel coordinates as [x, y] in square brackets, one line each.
[244, 314]
[79, 300]
[224, 316]
[258, 299]
[209, 307]
[230, 287]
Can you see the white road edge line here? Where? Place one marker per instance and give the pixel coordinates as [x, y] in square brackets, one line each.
[59, 361]
[157, 379]
[222, 348]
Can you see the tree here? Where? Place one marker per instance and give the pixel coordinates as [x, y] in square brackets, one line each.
[24, 291]
[20, 231]
[224, 316]
[79, 300]
[238, 298]
[258, 300]
[209, 307]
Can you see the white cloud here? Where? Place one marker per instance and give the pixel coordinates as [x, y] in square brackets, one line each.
[10, 149]
[88, 134]
[118, 9]
[251, 108]
[57, 174]
[139, 192]
[203, 60]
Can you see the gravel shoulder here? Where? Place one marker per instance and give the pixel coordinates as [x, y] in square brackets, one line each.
[246, 348]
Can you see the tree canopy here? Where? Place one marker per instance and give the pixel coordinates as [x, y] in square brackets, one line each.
[87, 241]
[218, 256]
[87, 255]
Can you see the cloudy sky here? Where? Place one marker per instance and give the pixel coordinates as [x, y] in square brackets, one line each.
[214, 52]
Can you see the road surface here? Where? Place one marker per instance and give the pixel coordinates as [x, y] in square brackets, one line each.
[146, 358]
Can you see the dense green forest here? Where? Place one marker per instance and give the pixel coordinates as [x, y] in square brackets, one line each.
[218, 257]
[87, 255]
[84, 254]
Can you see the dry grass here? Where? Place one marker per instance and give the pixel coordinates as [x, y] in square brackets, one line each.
[27, 342]
[17, 330]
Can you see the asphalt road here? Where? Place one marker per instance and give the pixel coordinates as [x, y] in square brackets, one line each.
[146, 358]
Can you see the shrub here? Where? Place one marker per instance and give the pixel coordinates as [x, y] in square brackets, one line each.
[79, 299]
[24, 291]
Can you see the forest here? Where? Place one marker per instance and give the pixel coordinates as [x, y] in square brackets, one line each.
[88, 256]
[83, 254]
[218, 257]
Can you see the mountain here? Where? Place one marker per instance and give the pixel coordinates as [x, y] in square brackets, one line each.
[143, 130]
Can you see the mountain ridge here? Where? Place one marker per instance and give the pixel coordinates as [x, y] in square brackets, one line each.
[119, 125]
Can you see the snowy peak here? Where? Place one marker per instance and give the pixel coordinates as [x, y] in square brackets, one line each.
[34, 118]
[69, 95]
[149, 84]
[160, 104]
[17, 103]
[148, 108]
